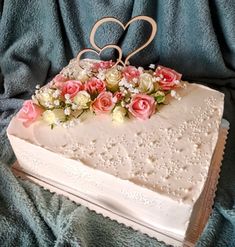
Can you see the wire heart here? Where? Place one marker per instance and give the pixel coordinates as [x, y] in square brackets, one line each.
[112, 19]
[119, 60]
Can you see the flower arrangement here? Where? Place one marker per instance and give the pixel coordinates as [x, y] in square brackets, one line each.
[102, 88]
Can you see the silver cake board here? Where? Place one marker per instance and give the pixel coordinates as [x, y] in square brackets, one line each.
[200, 215]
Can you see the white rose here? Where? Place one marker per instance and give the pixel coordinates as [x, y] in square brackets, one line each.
[113, 76]
[119, 114]
[45, 97]
[146, 83]
[54, 116]
[81, 75]
[82, 99]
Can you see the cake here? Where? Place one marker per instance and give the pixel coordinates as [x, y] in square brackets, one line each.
[157, 166]
[136, 141]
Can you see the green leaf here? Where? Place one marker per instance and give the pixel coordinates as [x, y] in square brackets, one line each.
[160, 97]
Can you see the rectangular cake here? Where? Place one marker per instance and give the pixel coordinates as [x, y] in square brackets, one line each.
[152, 169]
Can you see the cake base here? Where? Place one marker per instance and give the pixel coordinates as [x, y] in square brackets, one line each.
[200, 215]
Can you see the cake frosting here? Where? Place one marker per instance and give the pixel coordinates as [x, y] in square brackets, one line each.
[158, 167]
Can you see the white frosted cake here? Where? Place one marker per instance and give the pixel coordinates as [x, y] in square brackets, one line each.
[148, 159]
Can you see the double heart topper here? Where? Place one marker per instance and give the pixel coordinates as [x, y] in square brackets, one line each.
[124, 91]
[98, 50]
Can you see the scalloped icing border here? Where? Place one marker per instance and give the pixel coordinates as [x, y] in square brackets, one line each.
[106, 213]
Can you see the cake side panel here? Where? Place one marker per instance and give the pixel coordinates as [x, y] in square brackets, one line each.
[169, 153]
[53, 187]
[203, 207]
[125, 198]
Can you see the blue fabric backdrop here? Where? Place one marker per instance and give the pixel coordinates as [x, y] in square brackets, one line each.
[37, 38]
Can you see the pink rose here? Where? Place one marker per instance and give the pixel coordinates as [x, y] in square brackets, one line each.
[168, 78]
[104, 103]
[29, 113]
[118, 96]
[59, 80]
[103, 65]
[142, 106]
[130, 72]
[72, 87]
[95, 86]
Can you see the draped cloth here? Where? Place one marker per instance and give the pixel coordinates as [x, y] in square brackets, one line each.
[38, 38]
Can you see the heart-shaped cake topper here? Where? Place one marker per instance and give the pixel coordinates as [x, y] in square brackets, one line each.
[123, 91]
[119, 60]
[96, 49]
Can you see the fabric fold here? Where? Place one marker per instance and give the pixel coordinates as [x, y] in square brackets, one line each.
[38, 38]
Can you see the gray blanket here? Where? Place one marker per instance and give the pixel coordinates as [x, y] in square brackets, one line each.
[37, 38]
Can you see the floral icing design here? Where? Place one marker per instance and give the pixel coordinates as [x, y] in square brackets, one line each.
[124, 92]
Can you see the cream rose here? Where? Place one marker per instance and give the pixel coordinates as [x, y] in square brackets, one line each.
[80, 75]
[146, 83]
[119, 114]
[54, 116]
[82, 99]
[113, 77]
[45, 97]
